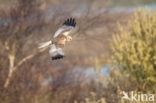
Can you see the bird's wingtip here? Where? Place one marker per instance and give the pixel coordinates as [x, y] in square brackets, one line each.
[70, 22]
[58, 57]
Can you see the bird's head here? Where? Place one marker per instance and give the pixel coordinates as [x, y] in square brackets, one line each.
[69, 38]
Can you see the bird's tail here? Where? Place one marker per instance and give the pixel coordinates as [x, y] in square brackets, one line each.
[45, 44]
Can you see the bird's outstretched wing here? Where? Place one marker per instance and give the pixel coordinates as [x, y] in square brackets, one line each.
[67, 27]
[56, 53]
[44, 44]
[70, 22]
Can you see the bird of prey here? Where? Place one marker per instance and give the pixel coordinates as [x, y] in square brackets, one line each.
[60, 37]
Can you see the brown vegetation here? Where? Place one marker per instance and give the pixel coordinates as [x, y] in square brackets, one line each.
[29, 76]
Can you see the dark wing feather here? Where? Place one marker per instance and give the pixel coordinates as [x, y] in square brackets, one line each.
[70, 22]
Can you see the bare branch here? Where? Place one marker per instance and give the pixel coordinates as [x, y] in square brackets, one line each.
[13, 68]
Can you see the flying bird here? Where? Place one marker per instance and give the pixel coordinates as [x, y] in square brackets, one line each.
[59, 39]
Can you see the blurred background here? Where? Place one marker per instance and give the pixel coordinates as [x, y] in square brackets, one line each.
[112, 51]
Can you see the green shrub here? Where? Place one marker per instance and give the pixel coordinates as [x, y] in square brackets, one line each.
[134, 49]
